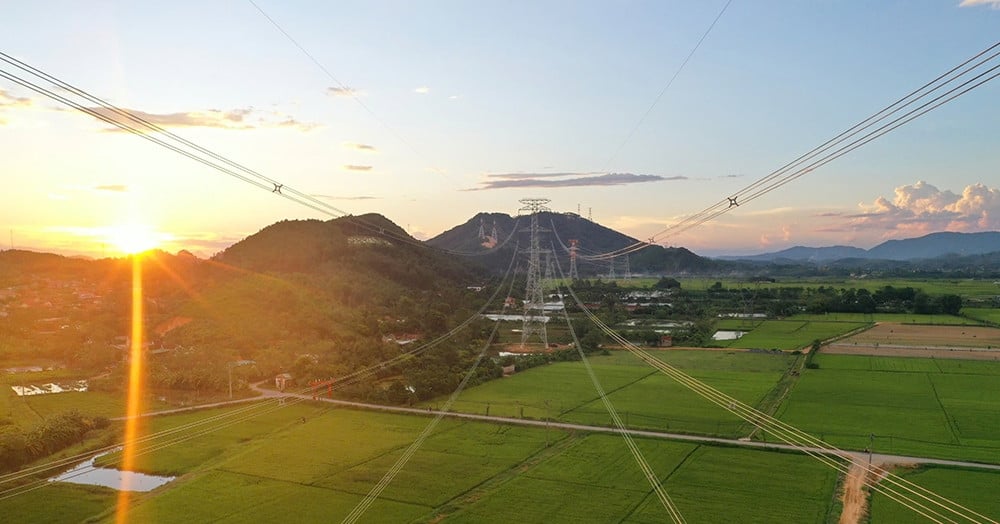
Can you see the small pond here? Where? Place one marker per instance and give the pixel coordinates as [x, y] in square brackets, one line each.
[87, 473]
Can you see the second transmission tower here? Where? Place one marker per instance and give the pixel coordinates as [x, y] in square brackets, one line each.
[534, 297]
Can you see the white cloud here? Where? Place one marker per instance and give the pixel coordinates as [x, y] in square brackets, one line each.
[923, 208]
[344, 91]
[9, 100]
[553, 180]
[995, 4]
[234, 119]
[422, 90]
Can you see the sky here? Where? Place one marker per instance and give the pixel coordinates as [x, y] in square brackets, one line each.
[430, 112]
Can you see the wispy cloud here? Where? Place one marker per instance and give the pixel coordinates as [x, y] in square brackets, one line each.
[334, 197]
[355, 167]
[114, 188]
[9, 100]
[730, 176]
[922, 208]
[360, 147]
[344, 91]
[235, 119]
[995, 4]
[555, 180]
[453, 97]
[422, 90]
[519, 176]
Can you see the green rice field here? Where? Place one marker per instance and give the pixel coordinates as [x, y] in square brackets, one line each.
[644, 397]
[792, 334]
[974, 489]
[918, 407]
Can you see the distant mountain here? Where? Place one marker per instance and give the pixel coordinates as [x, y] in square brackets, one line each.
[490, 238]
[807, 254]
[929, 246]
[937, 244]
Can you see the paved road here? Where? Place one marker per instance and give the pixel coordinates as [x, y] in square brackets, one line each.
[861, 457]
[877, 458]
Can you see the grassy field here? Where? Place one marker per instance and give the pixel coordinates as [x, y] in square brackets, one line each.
[276, 466]
[643, 397]
[791, 334]
[991, 315]
[594, 479]
[975, 490]
[918, 407]
[898, 318]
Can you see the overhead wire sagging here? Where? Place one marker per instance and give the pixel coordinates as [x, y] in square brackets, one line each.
[966, 76]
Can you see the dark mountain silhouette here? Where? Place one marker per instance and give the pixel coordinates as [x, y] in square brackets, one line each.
[475, 239]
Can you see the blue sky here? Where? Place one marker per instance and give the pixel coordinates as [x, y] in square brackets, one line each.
[453, 94]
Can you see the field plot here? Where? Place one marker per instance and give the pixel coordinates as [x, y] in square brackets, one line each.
[644, 397]
[897, 318]
[904, 406]
[279, 467]
[991, 315]
[545, 391]
[792, 334]
[974, 489]
[596, 480]
[905, 340]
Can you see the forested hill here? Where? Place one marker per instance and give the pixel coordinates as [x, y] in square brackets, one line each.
[476, 237]
[369, 244]
[331, 290]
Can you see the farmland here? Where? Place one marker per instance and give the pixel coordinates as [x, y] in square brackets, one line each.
[646, 398]
[973, 489]
[312, 462]
[317, 463]
[918, 407]
[990, 315]
[792, 334]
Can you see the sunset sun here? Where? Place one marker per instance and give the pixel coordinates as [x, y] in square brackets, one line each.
[133, 238]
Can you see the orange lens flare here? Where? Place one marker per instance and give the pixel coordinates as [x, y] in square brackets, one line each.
[135, 388]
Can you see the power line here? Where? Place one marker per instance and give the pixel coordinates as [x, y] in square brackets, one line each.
[389, 475]
[841, 144]
[348, 90]
[654, 481]
[914, 497]
[141, 127]
[667, 85]
[246, 413]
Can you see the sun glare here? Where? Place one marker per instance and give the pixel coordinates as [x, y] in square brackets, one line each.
[133, 238]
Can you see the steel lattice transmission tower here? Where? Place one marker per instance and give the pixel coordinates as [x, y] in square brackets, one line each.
[573, 243]
[534, 298]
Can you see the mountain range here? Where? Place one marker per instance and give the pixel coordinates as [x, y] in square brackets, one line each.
[930, 246]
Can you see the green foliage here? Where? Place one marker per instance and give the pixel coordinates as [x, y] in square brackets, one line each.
[52, 434]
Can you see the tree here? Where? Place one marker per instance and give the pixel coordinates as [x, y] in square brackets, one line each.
[667, 283]
[949, 304]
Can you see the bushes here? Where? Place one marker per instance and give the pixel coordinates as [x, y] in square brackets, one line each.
[18, 448]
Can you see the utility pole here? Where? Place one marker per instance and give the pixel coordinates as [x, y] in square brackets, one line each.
[534, 301]
[628, 271]
[611, 270]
